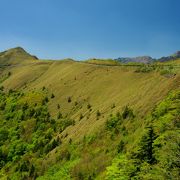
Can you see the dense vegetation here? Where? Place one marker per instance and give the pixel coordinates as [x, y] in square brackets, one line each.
[27, 133]
[150, 151]
[156, 155]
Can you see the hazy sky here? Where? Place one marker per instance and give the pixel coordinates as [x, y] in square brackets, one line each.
[82, 29]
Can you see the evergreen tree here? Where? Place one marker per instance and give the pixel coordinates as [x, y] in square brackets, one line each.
[52, 96]
[146, 146]
[58, 106]
[59, 116]
[127, 113]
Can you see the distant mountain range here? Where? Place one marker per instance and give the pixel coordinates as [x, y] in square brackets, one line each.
[172, 57]
[140, 59]
[148, 59]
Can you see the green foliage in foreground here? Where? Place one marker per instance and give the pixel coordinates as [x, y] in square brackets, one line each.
[59, 171]
[110, 154]
[125, 148]
[27, 133]
[156, 156]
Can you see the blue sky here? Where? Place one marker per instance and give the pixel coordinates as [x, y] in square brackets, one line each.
[82, 29]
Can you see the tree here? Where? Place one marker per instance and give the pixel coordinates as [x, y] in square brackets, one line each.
[31, 171]
[69, 99]
[70, 141]
[146, 151]
[52, 96]
[9, 74]
[88, 106]
[81, 116]
[1, 88]
[113, 106]
[120, 146]
[98, 114]
[3, 134]
[59, 116]
[127, 113]
[122, 168]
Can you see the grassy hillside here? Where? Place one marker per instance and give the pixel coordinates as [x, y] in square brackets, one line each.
[81, 98]
[99, 86]
[15, 56]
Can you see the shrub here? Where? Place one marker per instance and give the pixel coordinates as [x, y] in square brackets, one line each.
[88, 106]
[9, 74]
[89, 139]
[69, 99]
[127, 113]
[45, 100]
[49, 147]
[52, 96]
[64, 123]
[70, 141]
[98, 114]
[1, 88]
[111, 123]
[3, 134]
[120, 146]
[113, 106]
[81, 116]
[164, 72]
[59, 116]
[144, 69]
[58, 106]
[10, 91]
[2, 105]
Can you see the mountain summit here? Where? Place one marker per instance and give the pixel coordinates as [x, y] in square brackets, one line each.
[15, 56]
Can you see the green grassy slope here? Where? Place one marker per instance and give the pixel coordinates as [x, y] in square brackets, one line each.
[99, 86]
[87, 93]
[15, 56]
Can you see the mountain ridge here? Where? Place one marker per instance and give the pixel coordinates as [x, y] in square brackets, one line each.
[149, 59]
[20, 53]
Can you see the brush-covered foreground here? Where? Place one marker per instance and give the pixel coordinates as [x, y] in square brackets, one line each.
[88, 120]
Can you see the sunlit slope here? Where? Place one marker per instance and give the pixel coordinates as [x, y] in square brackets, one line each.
[105, 88]
[16, 56]
[24, 74]
[172, 62]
